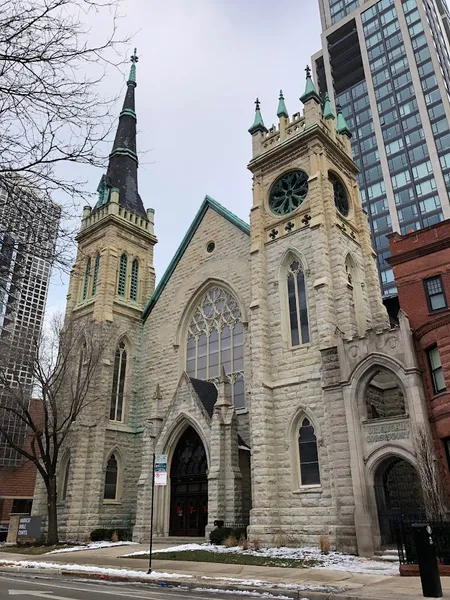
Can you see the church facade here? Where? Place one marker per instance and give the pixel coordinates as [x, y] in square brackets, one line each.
[263, 364]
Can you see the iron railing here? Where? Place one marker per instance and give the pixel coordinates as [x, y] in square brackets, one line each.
[407, 553]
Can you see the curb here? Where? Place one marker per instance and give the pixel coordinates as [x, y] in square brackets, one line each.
[182, 583]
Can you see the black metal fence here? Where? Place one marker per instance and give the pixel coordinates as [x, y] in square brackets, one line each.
[440, 533]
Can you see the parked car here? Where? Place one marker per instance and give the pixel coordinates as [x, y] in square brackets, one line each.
[3, 534]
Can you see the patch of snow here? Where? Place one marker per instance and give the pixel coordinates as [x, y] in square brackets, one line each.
[24, 564]
[91, 546]
[334, 560]
[286, 586]
[244, 448]
[243, 593]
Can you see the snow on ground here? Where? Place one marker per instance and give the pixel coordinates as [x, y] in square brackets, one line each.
[25, 564]
[91, 546]
[334, 560]
[243, 593]
[302, 587]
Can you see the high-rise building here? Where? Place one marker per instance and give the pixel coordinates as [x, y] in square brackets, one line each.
[387, 64]
[28, 231]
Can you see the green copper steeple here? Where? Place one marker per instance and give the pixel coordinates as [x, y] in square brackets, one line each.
[282, 110]
[310, 89]
[258, 123]
[327, 108]
[341, 123]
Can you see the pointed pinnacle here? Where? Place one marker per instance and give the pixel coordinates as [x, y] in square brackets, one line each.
[258, 123]
[282, 110]
[310, 89]
[327, 108]
[341, 124]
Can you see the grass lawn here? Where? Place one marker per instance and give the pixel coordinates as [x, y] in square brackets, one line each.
[33, 550]
[235, 559]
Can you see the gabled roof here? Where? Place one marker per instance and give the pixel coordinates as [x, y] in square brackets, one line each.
[208, 202]
[207, 393]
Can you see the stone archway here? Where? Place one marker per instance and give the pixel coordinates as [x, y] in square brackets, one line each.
[189, 487]
[398, 492]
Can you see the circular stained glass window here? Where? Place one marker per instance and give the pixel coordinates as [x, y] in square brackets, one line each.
[288, 192]
[340, 195]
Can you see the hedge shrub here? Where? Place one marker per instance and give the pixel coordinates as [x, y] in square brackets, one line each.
[220, 534]
[102, 534]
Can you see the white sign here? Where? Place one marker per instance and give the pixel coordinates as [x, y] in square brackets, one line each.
[161, 469]
[160, 477]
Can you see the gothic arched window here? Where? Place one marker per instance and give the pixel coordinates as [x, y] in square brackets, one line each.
[95, 278]
[86, 278]
[134, 280]
[309, 457]
[111, 477]
[122, 284]
[215, 340]
[298, 309]
[120, 367]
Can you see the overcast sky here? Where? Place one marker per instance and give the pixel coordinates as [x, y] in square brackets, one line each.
[201, 65]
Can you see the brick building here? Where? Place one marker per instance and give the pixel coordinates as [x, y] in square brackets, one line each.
[421, 263]
[17, 483]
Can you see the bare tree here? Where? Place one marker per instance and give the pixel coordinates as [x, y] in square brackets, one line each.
[435, 502]
[62, 371]
[53, 111]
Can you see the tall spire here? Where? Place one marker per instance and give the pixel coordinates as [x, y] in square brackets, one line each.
[123, 160]
[310, 89]
[258, 123]
[282, 110]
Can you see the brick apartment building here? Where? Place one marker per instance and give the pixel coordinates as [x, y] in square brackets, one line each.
[17, 483]
[421, 263]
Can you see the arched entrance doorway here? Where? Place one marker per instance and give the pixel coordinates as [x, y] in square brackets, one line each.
[189, 487]
[398, 492]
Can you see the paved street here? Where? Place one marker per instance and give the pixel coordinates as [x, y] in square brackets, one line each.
[56, 589]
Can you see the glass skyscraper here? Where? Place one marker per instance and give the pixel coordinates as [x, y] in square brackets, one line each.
[387, 64]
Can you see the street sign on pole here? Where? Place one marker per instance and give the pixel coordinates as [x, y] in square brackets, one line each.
[160, 477]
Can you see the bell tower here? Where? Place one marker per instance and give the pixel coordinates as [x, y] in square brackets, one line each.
[113, 272]
[314, 277]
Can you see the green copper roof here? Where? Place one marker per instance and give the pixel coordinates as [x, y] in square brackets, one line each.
[134, 60]
[208, 202]
[282, 110]
[310, 89]
[341, 123]
[328, 109]
[258, 123]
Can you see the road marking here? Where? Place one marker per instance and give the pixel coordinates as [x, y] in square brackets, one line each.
[38, 594]
[96, 588]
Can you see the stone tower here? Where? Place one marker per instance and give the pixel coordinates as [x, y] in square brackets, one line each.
[314, 278]
[111, 282]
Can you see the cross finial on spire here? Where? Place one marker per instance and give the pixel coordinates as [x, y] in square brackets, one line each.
[258, 123]
[308, 72]
[134, 59]
[257, 104]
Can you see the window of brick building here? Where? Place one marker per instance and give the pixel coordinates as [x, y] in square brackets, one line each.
[435, 293]
[437, 374]
[22, 505]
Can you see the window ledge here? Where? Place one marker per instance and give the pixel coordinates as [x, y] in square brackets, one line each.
[439, 394]
[309, 489]
[117, 426]
[241, 411]
[404, 417]
[113, 502]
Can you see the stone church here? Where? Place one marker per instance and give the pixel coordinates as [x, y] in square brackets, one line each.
[263, 364]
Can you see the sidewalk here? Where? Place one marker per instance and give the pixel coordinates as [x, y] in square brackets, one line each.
[317, 584]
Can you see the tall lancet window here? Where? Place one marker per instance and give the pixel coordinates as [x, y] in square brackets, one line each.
[122, 285]
[96, 270]
[298, 309]
[87, 274]
[117, 396]
[215, 340]
[309, 456]
[134, 280]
